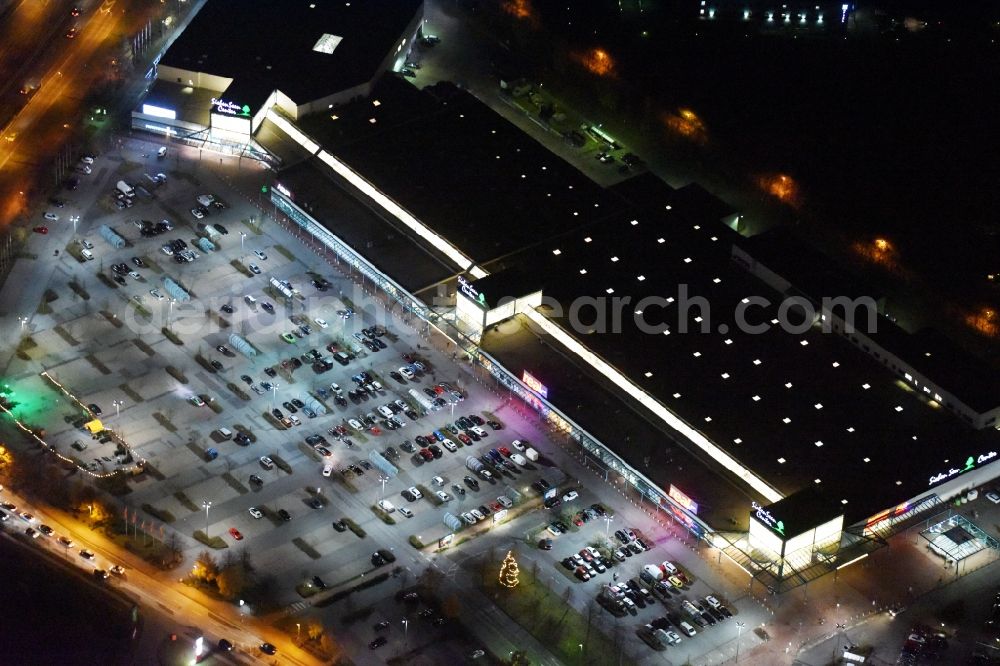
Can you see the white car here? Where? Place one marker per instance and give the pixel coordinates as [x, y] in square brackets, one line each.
[479, 431]
[386, 506]
[505, 501]
[712, 601]
[468, 518]
[673, 638]
[328, 470]
[52, 217]
[450, 445]
[336, 389]
[406, 512]
[197, 213]
[321, 322]
[355, 424]
[254, 268]
[437, 481]
[156, 294]
[266, 462]
[416, 493]
[256, 513]
[260, 255]
[518, 445]
[406, 372]
[134, 275]
[443, 496]
[570, 496]
[993, 497]
[518, 459]
[477, 515]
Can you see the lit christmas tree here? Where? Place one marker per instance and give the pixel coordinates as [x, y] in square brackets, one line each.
[509, 571]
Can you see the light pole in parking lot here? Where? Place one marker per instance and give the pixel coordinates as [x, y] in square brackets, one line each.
[739, 635]
[206, 505]
[24, 321]
[406, 627]
[607, 522]
[243, 237]
[170, 312]
[274, 394]
[383, 479]
[118, 407]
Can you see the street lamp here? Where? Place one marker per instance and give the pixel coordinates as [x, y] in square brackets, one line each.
[406, 627]
[298, 632]
[118, 407]
[243, 236]
[170, 312]
[274, 394]
[383, 479]
[24, 321]
[739, 635]
[607, 525]
[206, 505]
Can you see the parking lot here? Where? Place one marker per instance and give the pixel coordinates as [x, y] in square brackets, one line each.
[169, 374]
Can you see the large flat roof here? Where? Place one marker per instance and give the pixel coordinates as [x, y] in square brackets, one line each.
[606, 414]
[414, 266]
[975, 381]
[267, 46]
[795, 408]
[460, 168]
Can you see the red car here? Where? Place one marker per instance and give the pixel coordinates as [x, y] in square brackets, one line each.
[505, 452]
[235, 533]
[426, 454]
[462, 437]
[41, 230]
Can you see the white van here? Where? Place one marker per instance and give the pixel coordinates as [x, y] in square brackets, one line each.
[225, 433]
[87, 254]
[205, 200]
[530, 453]
[294, 419]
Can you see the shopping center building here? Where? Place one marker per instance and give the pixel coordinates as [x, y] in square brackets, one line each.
[636, 321]
[214, 85]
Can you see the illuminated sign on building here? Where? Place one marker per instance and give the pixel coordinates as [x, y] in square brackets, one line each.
[970, 464]
[532, 382]
[682, 499]
[764, 516]
[230, 108]
[159, 111]
[284, 190]
[472, 292]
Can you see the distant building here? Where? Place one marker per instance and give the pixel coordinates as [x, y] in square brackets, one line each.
[235, 61]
